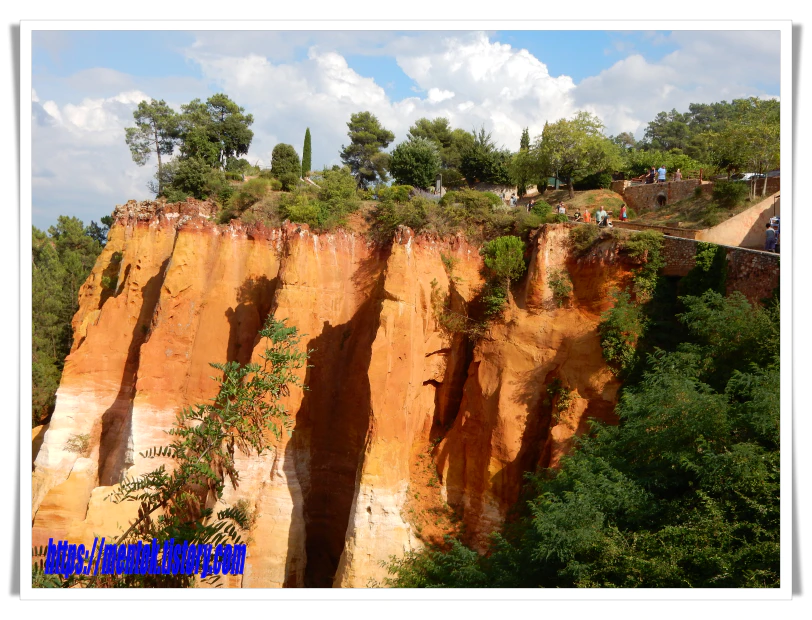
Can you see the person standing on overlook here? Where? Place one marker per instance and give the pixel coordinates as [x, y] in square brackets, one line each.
[769, 242]
[661, 174]
[678, 175]
[650, 176]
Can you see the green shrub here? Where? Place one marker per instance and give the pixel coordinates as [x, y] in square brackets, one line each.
[583, 237]
[249, 193]
[494, 299]
[620, 328]
[390, 214]
[504, 256]
[646, 249]
[325, 207]
[396, 193]
[274, 184]
[175, 195]
[288, 181]
[560, 285]
[598, 180]
[542, 208]
[729, 194]
[233, 176]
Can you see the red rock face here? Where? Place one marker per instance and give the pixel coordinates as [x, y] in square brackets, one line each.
[173, 292]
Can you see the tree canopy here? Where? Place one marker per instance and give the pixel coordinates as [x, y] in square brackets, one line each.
[285, 165]
[157, 130]
[61, 260]
[364, 155]
[416, 162]
[576, 146]
[483, 161]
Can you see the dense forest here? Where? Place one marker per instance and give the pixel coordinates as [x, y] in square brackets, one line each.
[61, 261]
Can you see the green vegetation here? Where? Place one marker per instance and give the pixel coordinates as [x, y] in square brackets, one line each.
[729, 194]
[568, 148]
[61, 260]
[157, 129]
[504, 256]
[324, 207]
[364, 155]
[211, 136]
[560, 285]
[416, 162]
[645, 248]
[482, 161]
[620, 329]
[285, 165]
[204, 440]
[307, 155]
[683, 492]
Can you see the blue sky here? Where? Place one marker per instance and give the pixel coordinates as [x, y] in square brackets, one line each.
[86, 84]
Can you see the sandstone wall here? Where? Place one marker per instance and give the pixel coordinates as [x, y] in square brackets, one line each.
[398, 415]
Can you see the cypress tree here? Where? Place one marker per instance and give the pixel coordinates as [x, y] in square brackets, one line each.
[306, 154]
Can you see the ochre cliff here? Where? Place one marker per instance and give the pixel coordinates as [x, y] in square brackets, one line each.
[395, 407]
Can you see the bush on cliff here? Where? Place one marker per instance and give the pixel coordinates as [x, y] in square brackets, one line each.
[325, 207]
[683, 492]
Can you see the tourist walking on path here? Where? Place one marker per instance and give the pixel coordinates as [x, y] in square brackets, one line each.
[770, 240]
[661, 174]
[623, 215]
[587, 217]
[601, 217]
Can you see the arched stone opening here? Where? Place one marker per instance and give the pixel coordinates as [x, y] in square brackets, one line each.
[661, 199]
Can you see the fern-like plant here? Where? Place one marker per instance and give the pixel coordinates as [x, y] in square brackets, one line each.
[175, 502]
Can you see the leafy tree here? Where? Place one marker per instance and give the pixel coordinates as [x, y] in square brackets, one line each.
[215, 131]
[751, 137]
[669, 130]
[285, 165]
[61, 259]
[504, 256]
[576, 146]
[482, 161]
[364, 155]
[415, 162]
[625, 140]
[306, 155]
[521, 165]
[156, 131]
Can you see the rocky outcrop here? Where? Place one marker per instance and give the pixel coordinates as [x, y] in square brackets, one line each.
[386, 385]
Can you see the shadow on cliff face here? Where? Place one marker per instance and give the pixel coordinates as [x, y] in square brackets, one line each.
[474, 440]
[329, 438]
[254, 298]
[117, 420]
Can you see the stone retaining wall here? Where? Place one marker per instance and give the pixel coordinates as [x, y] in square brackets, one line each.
[753, 273]
[643, 198]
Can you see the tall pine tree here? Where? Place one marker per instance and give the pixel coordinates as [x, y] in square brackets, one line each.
[306, 155]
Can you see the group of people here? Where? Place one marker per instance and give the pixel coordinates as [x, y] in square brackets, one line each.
[658, 175]
[771, 244]
[602, 217]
